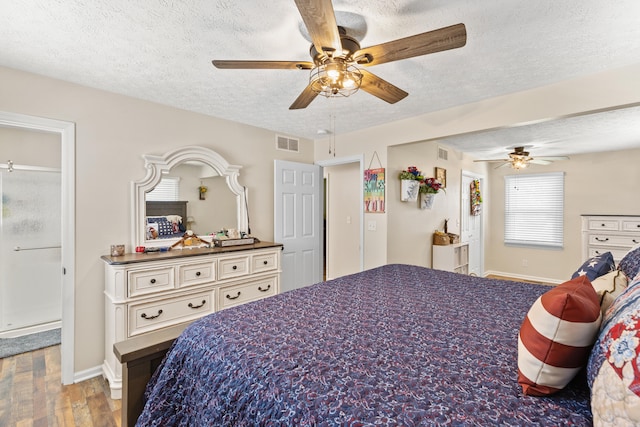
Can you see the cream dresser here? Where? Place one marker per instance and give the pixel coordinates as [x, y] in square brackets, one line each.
[609, 233]
[148, 292]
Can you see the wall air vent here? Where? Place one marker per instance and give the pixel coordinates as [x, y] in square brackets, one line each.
[287, 144]
[443, 154]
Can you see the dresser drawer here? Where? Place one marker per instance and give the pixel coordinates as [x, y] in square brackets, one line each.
[604, 224]
[159, 314]
[144, 282]
[245, 292]
[612, 240]
[233, 267]
[195, 274]
[631, 226]
[264, 262]
[616, 252]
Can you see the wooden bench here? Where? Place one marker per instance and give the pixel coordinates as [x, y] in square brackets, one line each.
[140, 357]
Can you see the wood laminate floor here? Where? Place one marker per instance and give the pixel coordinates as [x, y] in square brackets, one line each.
[31, 394]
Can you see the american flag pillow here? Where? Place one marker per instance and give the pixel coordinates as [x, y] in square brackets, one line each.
[556, 337]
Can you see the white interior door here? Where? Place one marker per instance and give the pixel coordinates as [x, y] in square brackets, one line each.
[298, 222]
[471, 227]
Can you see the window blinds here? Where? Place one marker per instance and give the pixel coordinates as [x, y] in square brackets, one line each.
[534, 209]
[166, 190]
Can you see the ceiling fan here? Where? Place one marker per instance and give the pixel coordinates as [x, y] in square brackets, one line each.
[337, 57]
[520, 159]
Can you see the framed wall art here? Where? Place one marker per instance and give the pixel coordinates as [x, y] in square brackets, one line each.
[441, 176]
[374, 190]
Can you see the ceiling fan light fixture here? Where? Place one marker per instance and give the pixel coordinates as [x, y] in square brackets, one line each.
[335, 78]
[519, 163]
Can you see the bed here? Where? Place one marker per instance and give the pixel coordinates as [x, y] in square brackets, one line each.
[395, 345]
[165, 219]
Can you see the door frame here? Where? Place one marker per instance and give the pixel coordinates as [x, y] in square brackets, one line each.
[343, 161]
[482, 179]
[66, 130]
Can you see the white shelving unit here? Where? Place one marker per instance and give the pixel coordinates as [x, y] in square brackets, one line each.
[454, 257]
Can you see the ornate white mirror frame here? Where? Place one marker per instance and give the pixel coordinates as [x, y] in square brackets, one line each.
[157, 166]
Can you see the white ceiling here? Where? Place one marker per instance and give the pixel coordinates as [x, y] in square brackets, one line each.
[161, 51]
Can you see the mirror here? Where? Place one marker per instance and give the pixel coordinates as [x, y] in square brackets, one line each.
[210, 197]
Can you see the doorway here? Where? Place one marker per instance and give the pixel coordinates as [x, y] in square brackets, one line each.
[344, 210]
[342, 220]
[65, 136]
[471, 228]
[30, 236]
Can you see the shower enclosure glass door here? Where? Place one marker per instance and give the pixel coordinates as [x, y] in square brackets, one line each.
[30, 253]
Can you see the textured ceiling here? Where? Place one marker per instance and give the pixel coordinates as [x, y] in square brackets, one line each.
[161, 50]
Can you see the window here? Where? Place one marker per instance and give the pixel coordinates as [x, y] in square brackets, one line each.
[534, 209]
[168, 189]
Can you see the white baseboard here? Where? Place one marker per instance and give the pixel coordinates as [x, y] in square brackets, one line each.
[523, 277]
[15, 333]
[87, 374]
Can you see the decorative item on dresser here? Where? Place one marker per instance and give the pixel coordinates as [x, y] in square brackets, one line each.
[609, 233]
[149, 292]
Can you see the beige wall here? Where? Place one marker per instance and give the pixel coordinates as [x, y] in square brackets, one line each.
[604, 90]
[112, 132]
[600, 183]
[30, 148]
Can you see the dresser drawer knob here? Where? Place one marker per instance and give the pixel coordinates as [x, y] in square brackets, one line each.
[602, 240]
[602, 225]
[265, 262]
[197, 306]
[198, 274]
[236, 297]
[153, 281]
[235, 267]
[144, 315]
[264, 290]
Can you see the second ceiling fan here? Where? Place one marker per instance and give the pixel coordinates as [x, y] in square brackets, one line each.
[520, 159]
[337, 57]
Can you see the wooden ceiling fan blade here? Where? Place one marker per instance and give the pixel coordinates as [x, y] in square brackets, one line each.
[446, 38]
[380, 88]
[493, 160]
[304, 99]
[504, 165]
[262, 65]
[320, 20]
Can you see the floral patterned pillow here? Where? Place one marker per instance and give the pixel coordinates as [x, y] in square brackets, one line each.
[630, 263]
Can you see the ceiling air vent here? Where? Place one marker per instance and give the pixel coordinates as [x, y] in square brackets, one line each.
[287, 144]
[443, 154]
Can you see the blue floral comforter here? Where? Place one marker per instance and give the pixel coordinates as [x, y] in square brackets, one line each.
[396, 345]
